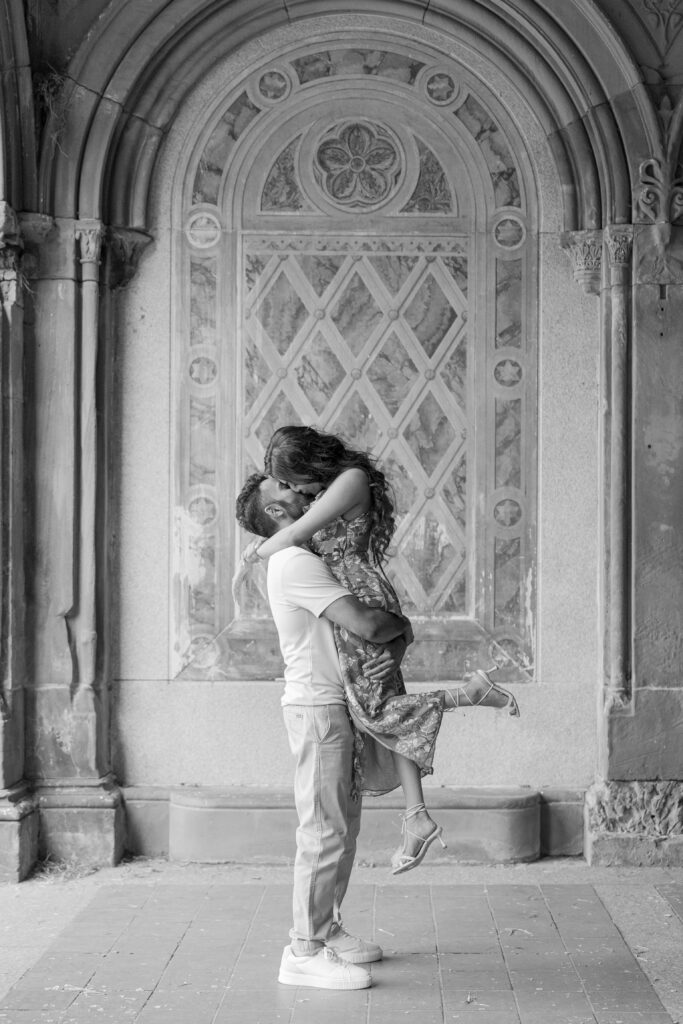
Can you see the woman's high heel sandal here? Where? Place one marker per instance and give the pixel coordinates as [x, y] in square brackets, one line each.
[405, 862]
[510, 704]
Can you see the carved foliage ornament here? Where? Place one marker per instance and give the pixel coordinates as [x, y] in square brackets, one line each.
[660, 193]
[89, 234]
[358, 164]
[619, 245]
[668, 14]
[653, 809]
[585, 250]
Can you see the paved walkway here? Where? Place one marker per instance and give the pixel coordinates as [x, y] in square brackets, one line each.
[553, 943]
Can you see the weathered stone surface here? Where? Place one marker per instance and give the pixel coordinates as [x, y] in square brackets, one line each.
[645, 809]
[648, 743]
[84, 825]
[562, 822]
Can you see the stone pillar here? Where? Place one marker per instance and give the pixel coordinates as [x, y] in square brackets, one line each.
[618, 475]
[81, 817]
[634, 813]
[18, 816]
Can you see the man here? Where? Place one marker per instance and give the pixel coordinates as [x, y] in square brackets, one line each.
[306, 601]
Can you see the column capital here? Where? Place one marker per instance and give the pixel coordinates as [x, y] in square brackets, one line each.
[89, 233]
[619, 241]
[585, 251]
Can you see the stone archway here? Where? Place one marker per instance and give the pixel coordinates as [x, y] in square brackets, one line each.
[129, 87]
[393, 302]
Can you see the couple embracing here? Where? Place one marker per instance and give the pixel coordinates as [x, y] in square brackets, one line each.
[326, 514]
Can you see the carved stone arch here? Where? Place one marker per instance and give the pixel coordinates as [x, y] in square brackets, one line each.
[17, 138]
[485, 241]
[119, 107]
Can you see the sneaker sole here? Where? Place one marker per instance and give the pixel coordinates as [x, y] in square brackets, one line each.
[310, 981]
[359, 958]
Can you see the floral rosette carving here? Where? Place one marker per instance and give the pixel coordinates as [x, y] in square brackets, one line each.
[358, 165]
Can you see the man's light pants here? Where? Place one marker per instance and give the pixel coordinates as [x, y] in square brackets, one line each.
[321, 739]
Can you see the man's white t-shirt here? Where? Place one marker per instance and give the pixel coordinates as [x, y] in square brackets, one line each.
[300, 588]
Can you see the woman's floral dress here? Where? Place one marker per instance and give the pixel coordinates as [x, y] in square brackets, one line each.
[386, 718]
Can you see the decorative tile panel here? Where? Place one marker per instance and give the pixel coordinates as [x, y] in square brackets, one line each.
[282, 312]
[281, 191]
[494, 149]
[217, 150]
[356, 314]
[432, 193]
[508, 303]
[392, 374]
[430, 315]
[508, 443]
[203, 301]
[382, 64]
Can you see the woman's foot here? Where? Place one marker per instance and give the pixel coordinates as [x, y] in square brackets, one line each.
[418, 832]
[478, 690]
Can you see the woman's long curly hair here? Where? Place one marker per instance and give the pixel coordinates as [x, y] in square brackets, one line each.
[301, 454]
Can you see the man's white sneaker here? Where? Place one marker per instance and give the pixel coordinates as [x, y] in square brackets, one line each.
[351, 948]
[323, 969]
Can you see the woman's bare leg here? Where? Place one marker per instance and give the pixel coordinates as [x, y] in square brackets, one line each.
[420, 822]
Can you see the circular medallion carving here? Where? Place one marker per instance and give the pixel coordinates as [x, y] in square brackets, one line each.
[507, 512]
[273, 85]
[441, 88]
[508, 372]
[359, 164]
[203, 510]
[203, 229]
[203, 371]
[509, 233]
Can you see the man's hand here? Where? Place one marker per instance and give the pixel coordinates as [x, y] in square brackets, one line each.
[384, 665]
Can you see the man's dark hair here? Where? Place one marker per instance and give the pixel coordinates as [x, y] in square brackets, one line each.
[249, 508]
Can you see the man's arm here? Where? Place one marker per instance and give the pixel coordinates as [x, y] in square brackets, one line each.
[371, 624]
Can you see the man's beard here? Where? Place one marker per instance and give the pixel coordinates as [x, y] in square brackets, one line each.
[295, 508]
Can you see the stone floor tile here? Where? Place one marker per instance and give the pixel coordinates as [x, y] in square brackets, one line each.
[494, 978]
[550, 980]
[638, 1000]
[30, 1017]
[466, 962]
[564, 1017]
[477, 1016]
[632, 1018]
[471, 999]
[180, 1006]
[553, 1002]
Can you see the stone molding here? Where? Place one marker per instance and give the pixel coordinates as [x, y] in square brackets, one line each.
[131, 135]
[642, 808]
[585, 251]
[125, 247]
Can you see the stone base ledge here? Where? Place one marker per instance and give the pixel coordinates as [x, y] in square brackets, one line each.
[18, 833]
[81, 824]
[213, 825]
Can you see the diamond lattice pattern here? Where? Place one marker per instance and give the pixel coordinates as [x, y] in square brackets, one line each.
[373, 346]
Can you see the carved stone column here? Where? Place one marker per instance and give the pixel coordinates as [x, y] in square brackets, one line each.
[81, 813]
[619, 241]
[630, 818]
[18, 817]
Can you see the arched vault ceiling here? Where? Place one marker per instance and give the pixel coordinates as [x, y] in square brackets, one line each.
[129, 78]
